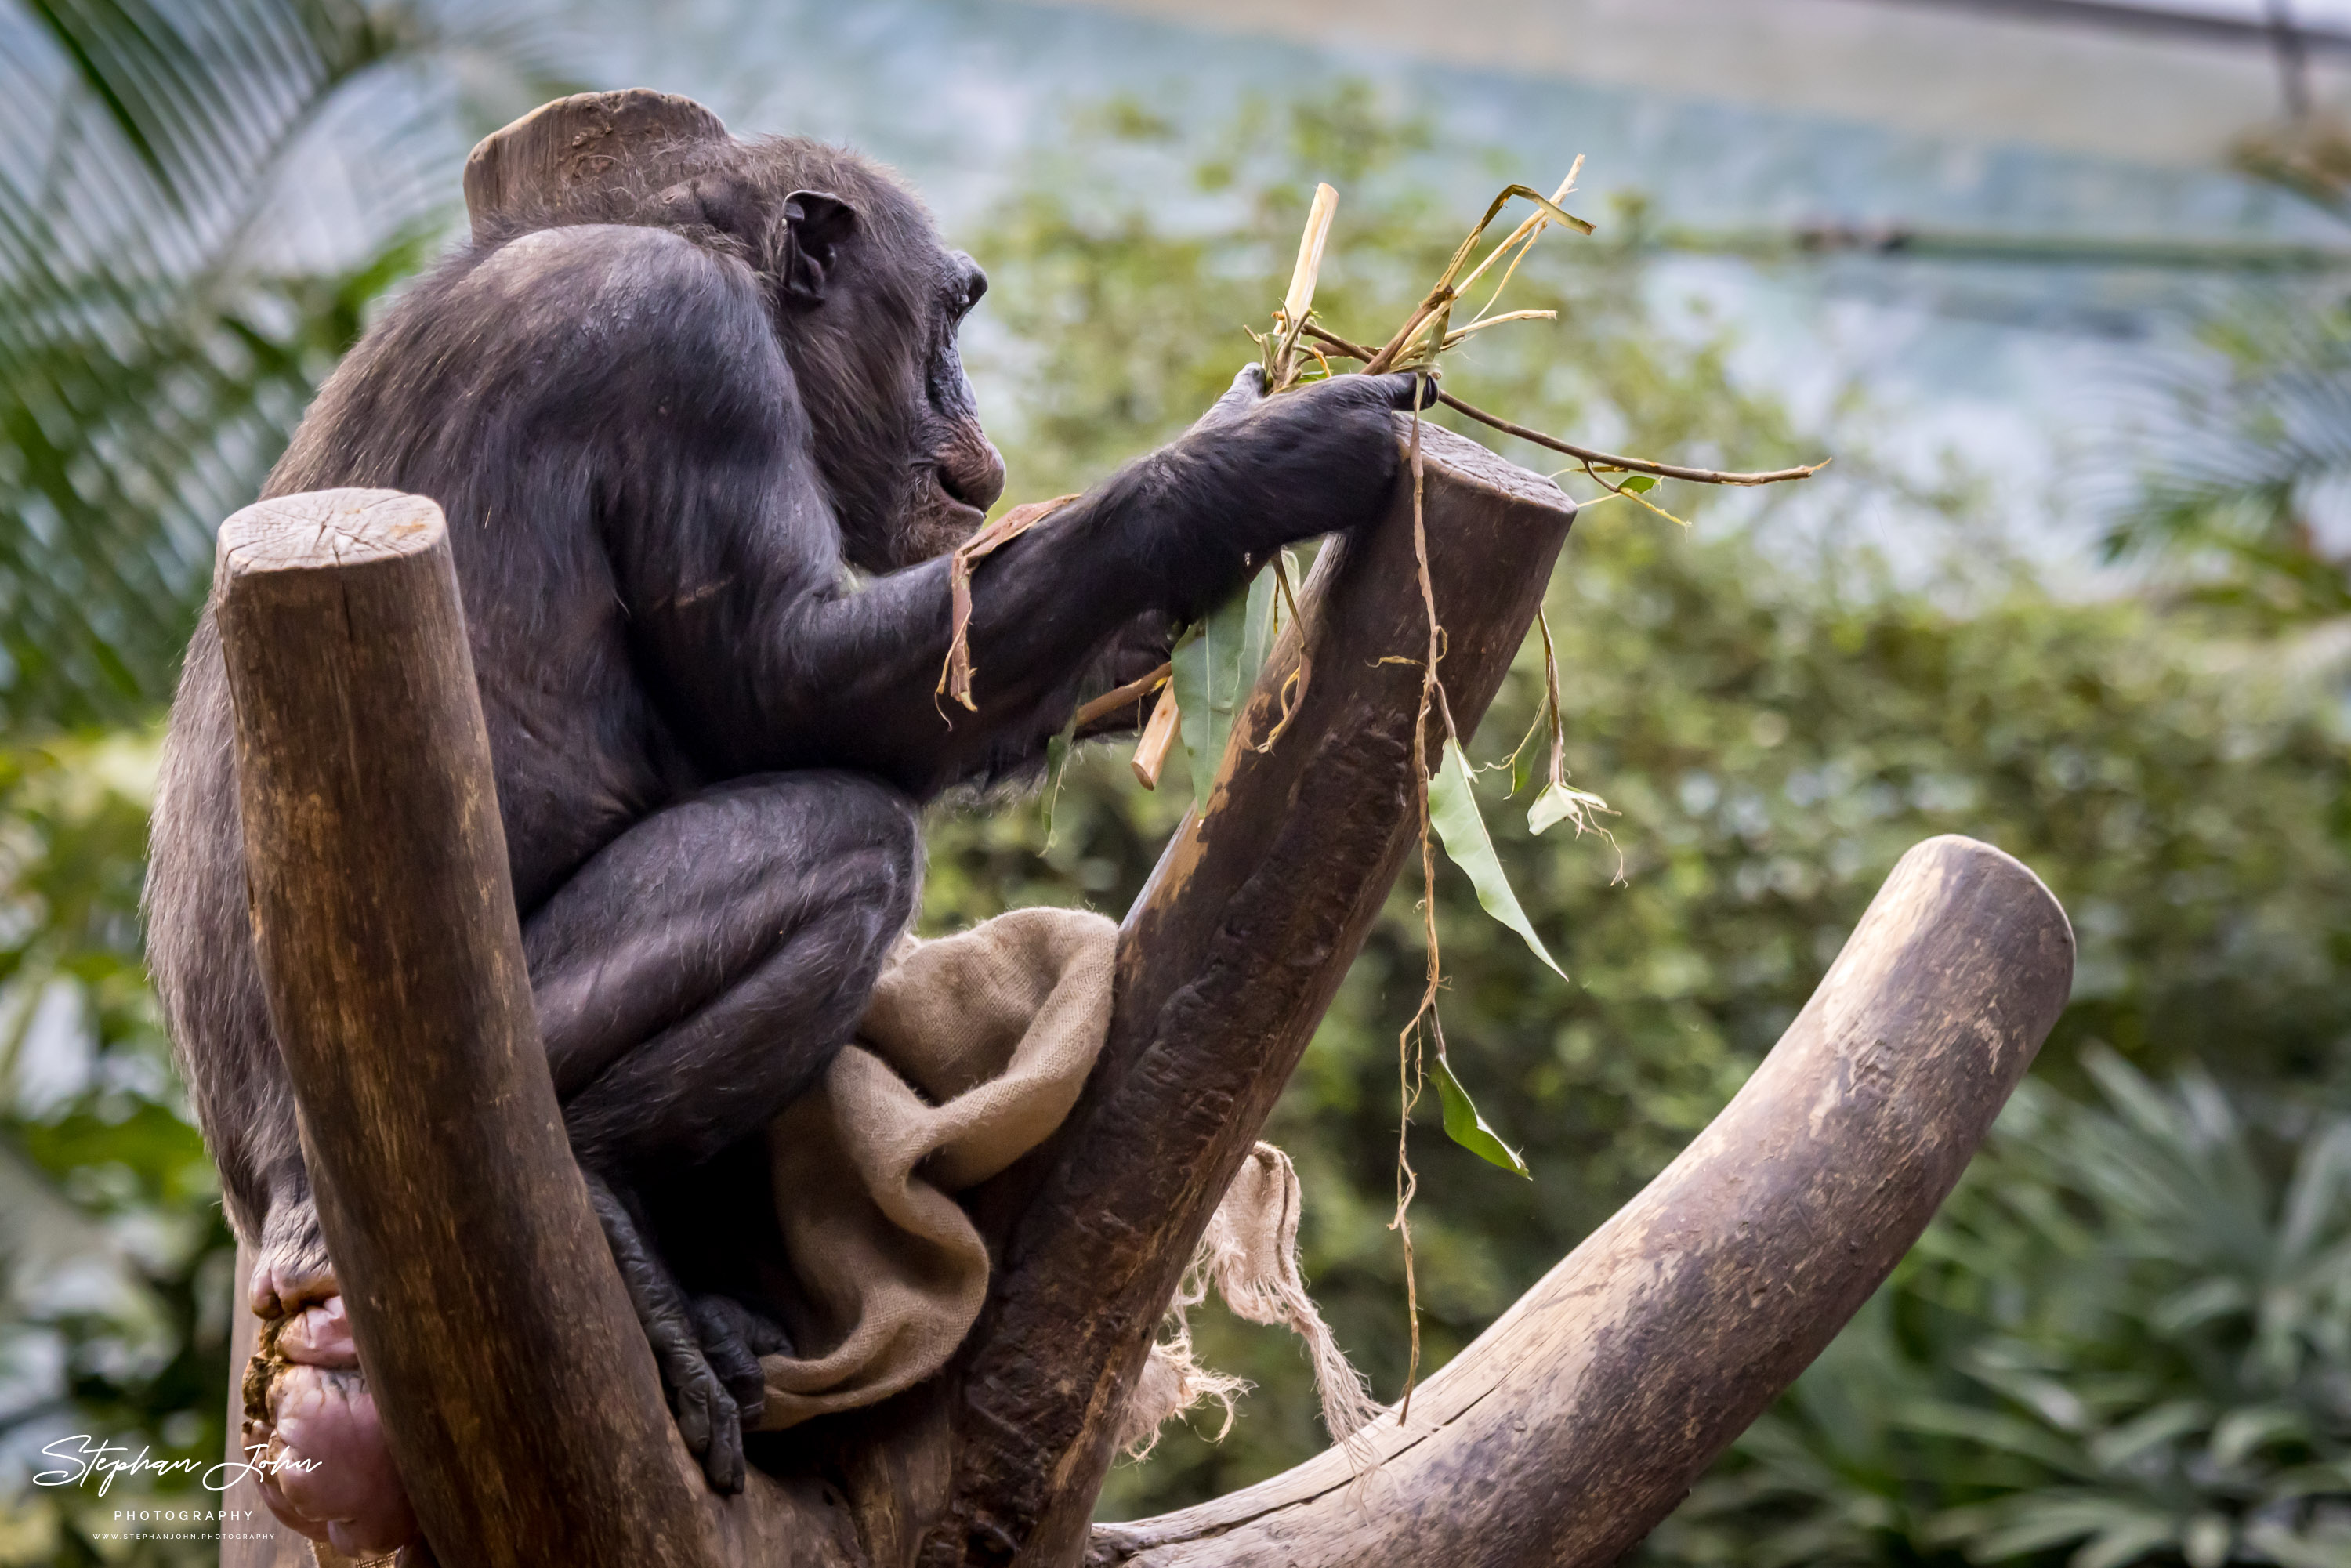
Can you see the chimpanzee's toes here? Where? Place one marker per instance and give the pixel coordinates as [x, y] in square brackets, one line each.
[733, 1338]
[706, 1415]
[315, 1438]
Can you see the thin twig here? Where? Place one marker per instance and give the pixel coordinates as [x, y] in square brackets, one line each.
[1584, 454]
[1128, 696]
[1432, 699]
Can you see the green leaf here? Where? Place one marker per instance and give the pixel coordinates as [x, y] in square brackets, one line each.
[1453, 809]
[1523, 760]
[1469, 1129]
[1256, 632]
[1639, 483]
[1214, 666]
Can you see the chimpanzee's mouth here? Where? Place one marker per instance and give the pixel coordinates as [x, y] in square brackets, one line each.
[946, 503]
[937, 520]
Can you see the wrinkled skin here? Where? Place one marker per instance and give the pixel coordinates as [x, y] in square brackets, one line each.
[698, 470]
[323, 1466]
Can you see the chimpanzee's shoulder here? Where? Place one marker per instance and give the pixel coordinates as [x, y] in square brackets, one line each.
[625, 286]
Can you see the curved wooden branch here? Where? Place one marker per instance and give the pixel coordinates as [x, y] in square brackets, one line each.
[1579, 1418]
[1228, 961]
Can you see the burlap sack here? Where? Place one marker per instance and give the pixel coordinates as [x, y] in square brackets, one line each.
[973, 1052]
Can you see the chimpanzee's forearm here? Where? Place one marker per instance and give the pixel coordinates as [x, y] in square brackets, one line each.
[860, 673]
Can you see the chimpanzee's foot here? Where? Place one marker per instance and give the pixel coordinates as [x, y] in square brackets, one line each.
[291, 1270]
[733, 1338]
[708, 1417]
[311, 1428]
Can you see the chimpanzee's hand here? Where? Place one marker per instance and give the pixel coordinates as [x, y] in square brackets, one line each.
[1393, 391]
[1256, 471]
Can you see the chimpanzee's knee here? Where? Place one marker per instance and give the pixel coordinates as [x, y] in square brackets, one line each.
[704, 969]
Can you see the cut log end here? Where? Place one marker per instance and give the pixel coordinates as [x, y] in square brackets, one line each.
[567, 161]
[327, 527]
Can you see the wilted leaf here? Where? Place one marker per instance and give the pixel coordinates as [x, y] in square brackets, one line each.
[1561, 802]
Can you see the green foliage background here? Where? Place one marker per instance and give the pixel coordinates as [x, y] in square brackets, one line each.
[2129, 1339]
[1776, 726]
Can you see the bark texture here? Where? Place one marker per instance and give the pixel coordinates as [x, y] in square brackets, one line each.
[518, 1395]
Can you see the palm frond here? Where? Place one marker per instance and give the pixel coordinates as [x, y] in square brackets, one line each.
[214, 195]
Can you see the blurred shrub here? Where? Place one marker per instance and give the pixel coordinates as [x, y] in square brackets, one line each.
[2127, 1340]
[201, 202]
[2243, 499]
[115, 1262]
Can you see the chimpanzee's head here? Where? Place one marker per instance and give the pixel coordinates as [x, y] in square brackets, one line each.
[867, 299]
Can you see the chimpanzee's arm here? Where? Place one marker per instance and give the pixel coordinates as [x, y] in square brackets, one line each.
[729, 562]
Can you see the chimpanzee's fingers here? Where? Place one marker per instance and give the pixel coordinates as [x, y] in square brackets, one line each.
[1246, 393]
[1400, 390]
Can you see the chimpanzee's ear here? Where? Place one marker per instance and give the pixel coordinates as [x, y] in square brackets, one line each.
[815, 226]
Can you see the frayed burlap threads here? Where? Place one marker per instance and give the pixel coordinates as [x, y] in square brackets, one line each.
[1249, 1255]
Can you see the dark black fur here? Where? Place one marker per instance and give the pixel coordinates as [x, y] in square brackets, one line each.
[661, 447]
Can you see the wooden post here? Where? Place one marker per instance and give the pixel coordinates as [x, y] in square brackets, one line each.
[1225, 965]
[518, 1393]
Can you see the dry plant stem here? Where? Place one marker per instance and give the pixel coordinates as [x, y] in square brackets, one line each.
[1530, 228]
[1432, 695]
[1293, 686]
[955, 674]
[1297, 303]
[1449, 288]
[1551, 703]
[1111, 703]
[1608, 460]
[1158, 735]
[1454, 338]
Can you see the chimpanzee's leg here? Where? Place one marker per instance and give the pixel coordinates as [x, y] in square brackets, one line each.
[695, 975]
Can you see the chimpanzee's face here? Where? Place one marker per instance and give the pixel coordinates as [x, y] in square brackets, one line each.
[869, 302]
[956, 474]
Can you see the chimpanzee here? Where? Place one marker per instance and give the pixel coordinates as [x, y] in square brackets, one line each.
[699, 468]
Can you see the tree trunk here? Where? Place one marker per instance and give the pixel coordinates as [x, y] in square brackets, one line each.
[1575, 1423]
[518, 1396]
